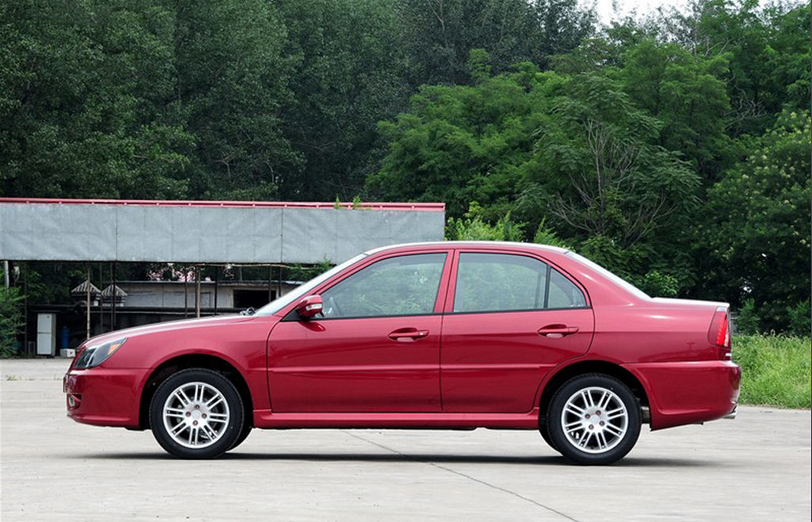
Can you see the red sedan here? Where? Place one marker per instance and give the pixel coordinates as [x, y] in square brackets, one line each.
[452, 335]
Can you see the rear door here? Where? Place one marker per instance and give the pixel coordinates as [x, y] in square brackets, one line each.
[509, 319]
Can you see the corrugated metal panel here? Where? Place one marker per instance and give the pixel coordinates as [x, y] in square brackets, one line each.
[206, 232]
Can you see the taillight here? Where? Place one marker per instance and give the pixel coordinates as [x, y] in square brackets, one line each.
[719, 332]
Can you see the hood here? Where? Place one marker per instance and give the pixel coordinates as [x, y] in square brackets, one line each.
[183, 324]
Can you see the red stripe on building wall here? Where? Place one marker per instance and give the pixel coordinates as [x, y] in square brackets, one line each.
[418, 207]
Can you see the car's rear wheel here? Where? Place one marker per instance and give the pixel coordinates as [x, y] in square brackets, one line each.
[594, 419]
[544, 429]
[196, 414]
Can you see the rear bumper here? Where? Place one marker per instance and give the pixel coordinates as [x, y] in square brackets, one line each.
[689, 392]
[104, 397]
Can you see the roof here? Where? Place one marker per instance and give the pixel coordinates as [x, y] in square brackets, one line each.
[216, 232]
[424, 207]
[472, 244]
[83, 288]
[107, 292]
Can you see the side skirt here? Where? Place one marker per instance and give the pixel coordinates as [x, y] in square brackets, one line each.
[270, 420]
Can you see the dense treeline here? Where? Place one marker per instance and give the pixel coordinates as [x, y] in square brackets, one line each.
[673, 149]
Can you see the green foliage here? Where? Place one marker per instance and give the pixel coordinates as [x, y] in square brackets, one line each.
[11, 318]
[299, 272]
[800, 321]
[348, 73]
[231, 83]
[746, 318]
[473, 227]
[547, 236]
[657, 284]
[439, 34]
[356, 202]
[775, 370]
[686, 92]
[462, 144]
[758, 226]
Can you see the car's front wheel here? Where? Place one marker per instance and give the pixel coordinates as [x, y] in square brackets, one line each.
[196, 414]
[594, 419]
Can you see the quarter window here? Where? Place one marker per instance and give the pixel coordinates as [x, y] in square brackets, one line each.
[403, 285]
[563, 293]
[506, 282]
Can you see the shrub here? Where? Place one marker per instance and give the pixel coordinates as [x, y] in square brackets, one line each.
[11, 319]
[775, 370]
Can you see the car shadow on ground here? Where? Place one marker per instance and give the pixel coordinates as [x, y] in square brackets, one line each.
[549, 460]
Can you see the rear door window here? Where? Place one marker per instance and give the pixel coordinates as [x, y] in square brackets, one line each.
[493, 282]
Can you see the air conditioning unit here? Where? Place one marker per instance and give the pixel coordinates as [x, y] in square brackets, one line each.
[46, 334]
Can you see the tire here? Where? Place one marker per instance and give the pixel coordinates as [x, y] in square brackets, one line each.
[246, 430]
[602, 417]
[196, 414]
[544, 429]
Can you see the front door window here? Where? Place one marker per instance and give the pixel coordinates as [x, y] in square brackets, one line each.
[403, 285]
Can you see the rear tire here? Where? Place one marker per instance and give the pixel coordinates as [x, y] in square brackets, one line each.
[594, 419]
[196, 414]
[544, 430]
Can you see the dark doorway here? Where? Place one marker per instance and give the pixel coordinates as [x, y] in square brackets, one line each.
[252, 298]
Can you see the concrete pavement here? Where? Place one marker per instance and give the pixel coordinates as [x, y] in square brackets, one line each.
[756, 467]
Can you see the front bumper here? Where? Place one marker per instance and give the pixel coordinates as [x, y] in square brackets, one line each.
[104, 397]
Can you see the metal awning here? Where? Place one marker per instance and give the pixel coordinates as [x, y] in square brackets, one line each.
[37, 229]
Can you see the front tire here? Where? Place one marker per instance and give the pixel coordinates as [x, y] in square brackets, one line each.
[196, 414]
[594, 419]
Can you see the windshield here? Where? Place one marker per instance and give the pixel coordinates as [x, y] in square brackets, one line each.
[610, 276]
[278, 304]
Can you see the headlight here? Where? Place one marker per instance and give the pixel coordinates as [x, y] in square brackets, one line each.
[95, 355]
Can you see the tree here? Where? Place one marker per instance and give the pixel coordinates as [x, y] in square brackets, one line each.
[466, 143]
[757, 225]
[231, 83]
[603, 177]
[440, 34]
[348, 74]
[768, 49]
[81, 101]
[11, 319]
[687, 94]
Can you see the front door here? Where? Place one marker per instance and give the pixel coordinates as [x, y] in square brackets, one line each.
[512, 319]
[375, 349]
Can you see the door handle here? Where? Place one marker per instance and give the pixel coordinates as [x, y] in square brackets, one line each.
[557, 331]
[408, 334]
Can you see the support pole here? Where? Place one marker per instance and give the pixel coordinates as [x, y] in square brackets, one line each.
[185, 293]
[270, 282]
[25, 309]
[101, 301]
[279, 284]
[216, 282]
[87, 304]
[115, 297]
[197, 291]
[5, 273]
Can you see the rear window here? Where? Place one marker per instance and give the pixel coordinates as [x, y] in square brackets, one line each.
[610, 276]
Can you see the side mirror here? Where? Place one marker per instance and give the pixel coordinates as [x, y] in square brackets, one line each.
[309, 306]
